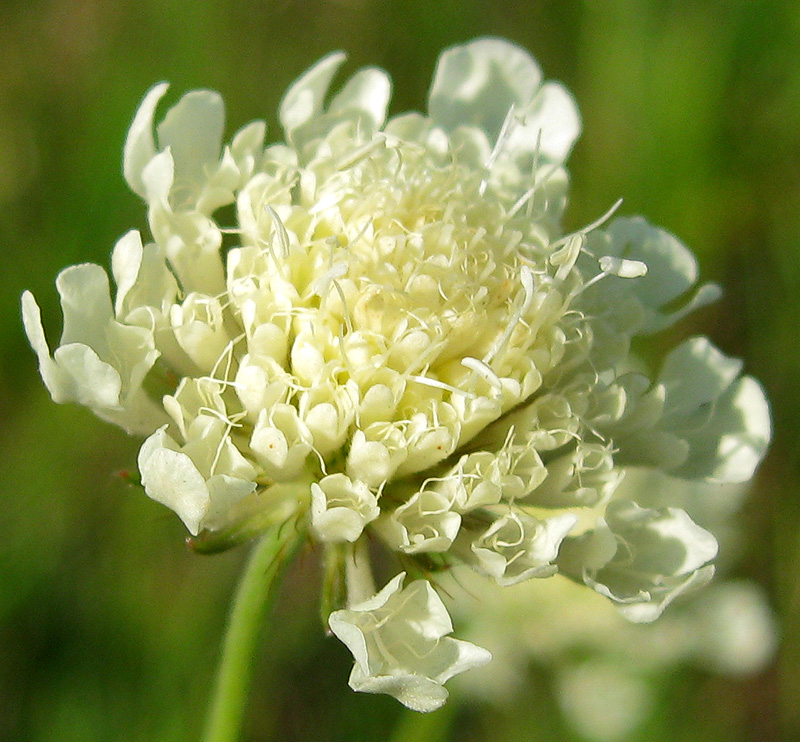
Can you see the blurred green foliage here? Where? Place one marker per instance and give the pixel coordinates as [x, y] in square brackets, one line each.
[109, 626]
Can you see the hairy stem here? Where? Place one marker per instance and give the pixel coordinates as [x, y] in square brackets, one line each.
[254, 596]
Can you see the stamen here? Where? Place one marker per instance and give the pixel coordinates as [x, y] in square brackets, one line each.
[280, 230]
[483, 370]
[603, 219]
[361, 153]
[527, 197]
[323, 284]
[436, 384]
[509, 123]
[227, 353]
[612, 266]
[526, 278]
[325, 202]
[622, 267]
[345, 310]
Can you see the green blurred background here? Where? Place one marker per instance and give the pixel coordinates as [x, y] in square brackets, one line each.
[109, 625]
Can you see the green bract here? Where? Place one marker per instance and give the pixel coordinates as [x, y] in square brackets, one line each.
[403, 327]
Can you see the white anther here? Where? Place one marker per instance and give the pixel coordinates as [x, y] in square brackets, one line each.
[436, 384]
[325, 202]
[622, 267]
[323, 284]
[483, 370]
[280, 230]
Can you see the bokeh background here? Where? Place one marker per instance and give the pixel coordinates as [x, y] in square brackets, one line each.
[109, 625]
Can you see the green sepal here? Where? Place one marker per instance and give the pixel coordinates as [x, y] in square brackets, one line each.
[287, 501]
[423, 566]
[215, 542]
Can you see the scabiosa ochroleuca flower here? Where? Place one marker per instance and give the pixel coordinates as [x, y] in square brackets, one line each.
[401, 347]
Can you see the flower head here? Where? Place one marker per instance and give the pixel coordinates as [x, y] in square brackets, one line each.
[396, 331]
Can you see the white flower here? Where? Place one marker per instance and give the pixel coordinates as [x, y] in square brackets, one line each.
[340, 508]
[518, 546]
[641, 558]
[182, 478]
[100, 362]
[399, 337]
[281, 441]
[424, 523]
[400, 642]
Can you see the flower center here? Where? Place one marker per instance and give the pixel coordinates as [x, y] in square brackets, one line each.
[391, 297]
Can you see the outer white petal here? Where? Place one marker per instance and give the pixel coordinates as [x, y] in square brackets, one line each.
[157, 179]
[584, 476]
[424, 523]
[733, 444]
[334, 524]
[518, 547]
[641, 558]
[596, 549]
[694, 375]
[725, 421]
[95, 383]
[709, 424]
[341, 507]
[647, 611]
[78, 372]
[126, 260]
[199, 329]
[224, 492]
[671, 268]
[368, 92]
[306, 96]
[698, 545]
[56, 381]
[100, 363]
[369, 461]
[247, 147]
[86, 304]
[349, 633]
[144, 282]
[192, 129]
[171, 478]
[248, 141]
[549, 126]
[476, 84]
[140, 145]
[281, 441]
[414, 127]
[415, 692]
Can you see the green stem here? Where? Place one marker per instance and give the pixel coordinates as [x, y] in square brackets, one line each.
[253, 598]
